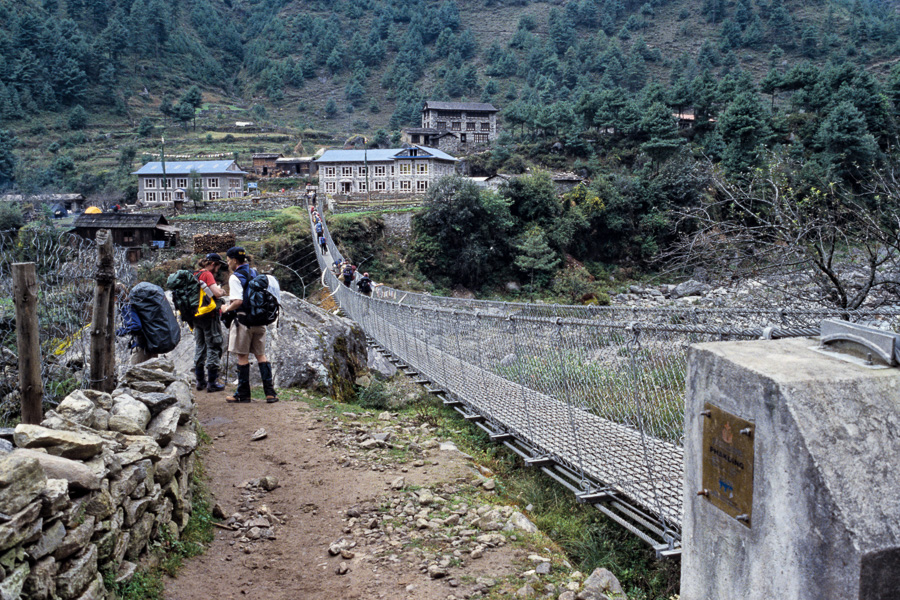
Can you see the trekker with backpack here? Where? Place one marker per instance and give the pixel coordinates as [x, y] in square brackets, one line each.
[348, 271]
[148, 317]
[364, 284]
[208, 342]
[254, 304]
[323, 244]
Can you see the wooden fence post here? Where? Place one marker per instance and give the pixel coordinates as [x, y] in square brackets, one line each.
[103, 355]
[28, 342]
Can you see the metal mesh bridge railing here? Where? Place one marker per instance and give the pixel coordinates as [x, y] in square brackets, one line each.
[592, 395]
[66, 266]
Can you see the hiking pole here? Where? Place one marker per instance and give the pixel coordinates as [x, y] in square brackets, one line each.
[227, 356]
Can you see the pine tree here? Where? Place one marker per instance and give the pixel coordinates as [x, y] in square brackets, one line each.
[166, 108]
[7, 158]
[770, 85]
[184, 113]
[776, 54]
[635, 72]
[77, 118]
[145, 127]
[335, 61]
[193, 96]
[660, 128]
[846, 148]
[331, 109]
[809, 41]
[535, 258]
[743, 128]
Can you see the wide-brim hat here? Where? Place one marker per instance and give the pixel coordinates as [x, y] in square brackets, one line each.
[214, 257]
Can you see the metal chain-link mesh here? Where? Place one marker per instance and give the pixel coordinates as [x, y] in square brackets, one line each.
[599, 390]
[66, 265]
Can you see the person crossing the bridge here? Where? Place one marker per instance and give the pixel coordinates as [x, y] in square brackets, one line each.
[323, 244]
[364, 284]
[348, 272]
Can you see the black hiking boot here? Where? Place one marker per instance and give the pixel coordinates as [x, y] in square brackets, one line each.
[214, 385]
[200, 372]
[265, 373]
[242, 393]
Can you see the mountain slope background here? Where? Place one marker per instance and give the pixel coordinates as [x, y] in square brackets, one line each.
[88, 87]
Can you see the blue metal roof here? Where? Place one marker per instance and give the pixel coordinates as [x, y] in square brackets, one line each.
[377, 155]
[202, 167]
[357, 155]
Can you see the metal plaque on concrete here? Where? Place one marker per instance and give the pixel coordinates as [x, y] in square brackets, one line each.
[728, 463]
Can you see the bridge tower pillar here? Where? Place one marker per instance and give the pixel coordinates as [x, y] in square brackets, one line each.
[792, 474]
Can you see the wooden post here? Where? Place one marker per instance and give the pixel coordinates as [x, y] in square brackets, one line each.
[28, 343]
[103, 356]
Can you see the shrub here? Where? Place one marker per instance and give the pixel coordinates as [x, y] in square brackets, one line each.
[11, 217]
[374, 396]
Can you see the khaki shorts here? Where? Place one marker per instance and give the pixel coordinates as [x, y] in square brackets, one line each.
[247, 340]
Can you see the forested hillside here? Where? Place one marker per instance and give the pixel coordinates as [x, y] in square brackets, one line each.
[87, 87]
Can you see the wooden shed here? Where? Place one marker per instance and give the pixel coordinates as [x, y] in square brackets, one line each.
[132, 231]
[264, 163]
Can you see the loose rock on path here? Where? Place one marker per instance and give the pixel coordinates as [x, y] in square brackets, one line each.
[356, 505]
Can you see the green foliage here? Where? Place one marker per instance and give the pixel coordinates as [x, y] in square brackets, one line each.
[562, 77]
[77, 118]
[145, 127]
[573, 283]
[331, 109]
[375, 396]
[463, 233]
[743, 127]
[11, 217]
[535, 257]
[195, 189]
[846, 148]
[532, 198]
[7, 158]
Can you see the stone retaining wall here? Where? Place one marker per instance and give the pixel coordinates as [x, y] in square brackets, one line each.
[88, 489]
[262, 203]
[243, 231]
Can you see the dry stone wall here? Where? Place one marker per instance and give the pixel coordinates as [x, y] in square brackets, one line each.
[86, 491]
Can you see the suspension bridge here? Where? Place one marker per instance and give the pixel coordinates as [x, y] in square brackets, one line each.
[593, 396]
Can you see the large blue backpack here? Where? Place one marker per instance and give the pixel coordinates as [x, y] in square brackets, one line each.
[259, 306]
[158, 323]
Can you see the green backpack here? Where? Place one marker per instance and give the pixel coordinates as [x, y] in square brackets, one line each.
[185, 294]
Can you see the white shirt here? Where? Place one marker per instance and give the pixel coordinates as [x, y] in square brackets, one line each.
[235, 289]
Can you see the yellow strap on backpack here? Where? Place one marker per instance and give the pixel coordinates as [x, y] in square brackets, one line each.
[210, 304]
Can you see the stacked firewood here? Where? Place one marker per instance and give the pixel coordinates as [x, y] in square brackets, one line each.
[204, 243]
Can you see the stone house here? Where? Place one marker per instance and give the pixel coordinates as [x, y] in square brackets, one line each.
[215, 178]
[467, 125]
[565, 181]
[397, 170]
[265, 164]
[455, 127]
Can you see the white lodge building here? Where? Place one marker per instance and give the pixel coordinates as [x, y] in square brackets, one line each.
[404, 170]
[215, 178]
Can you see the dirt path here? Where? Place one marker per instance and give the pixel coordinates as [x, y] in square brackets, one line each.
[434, 534]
